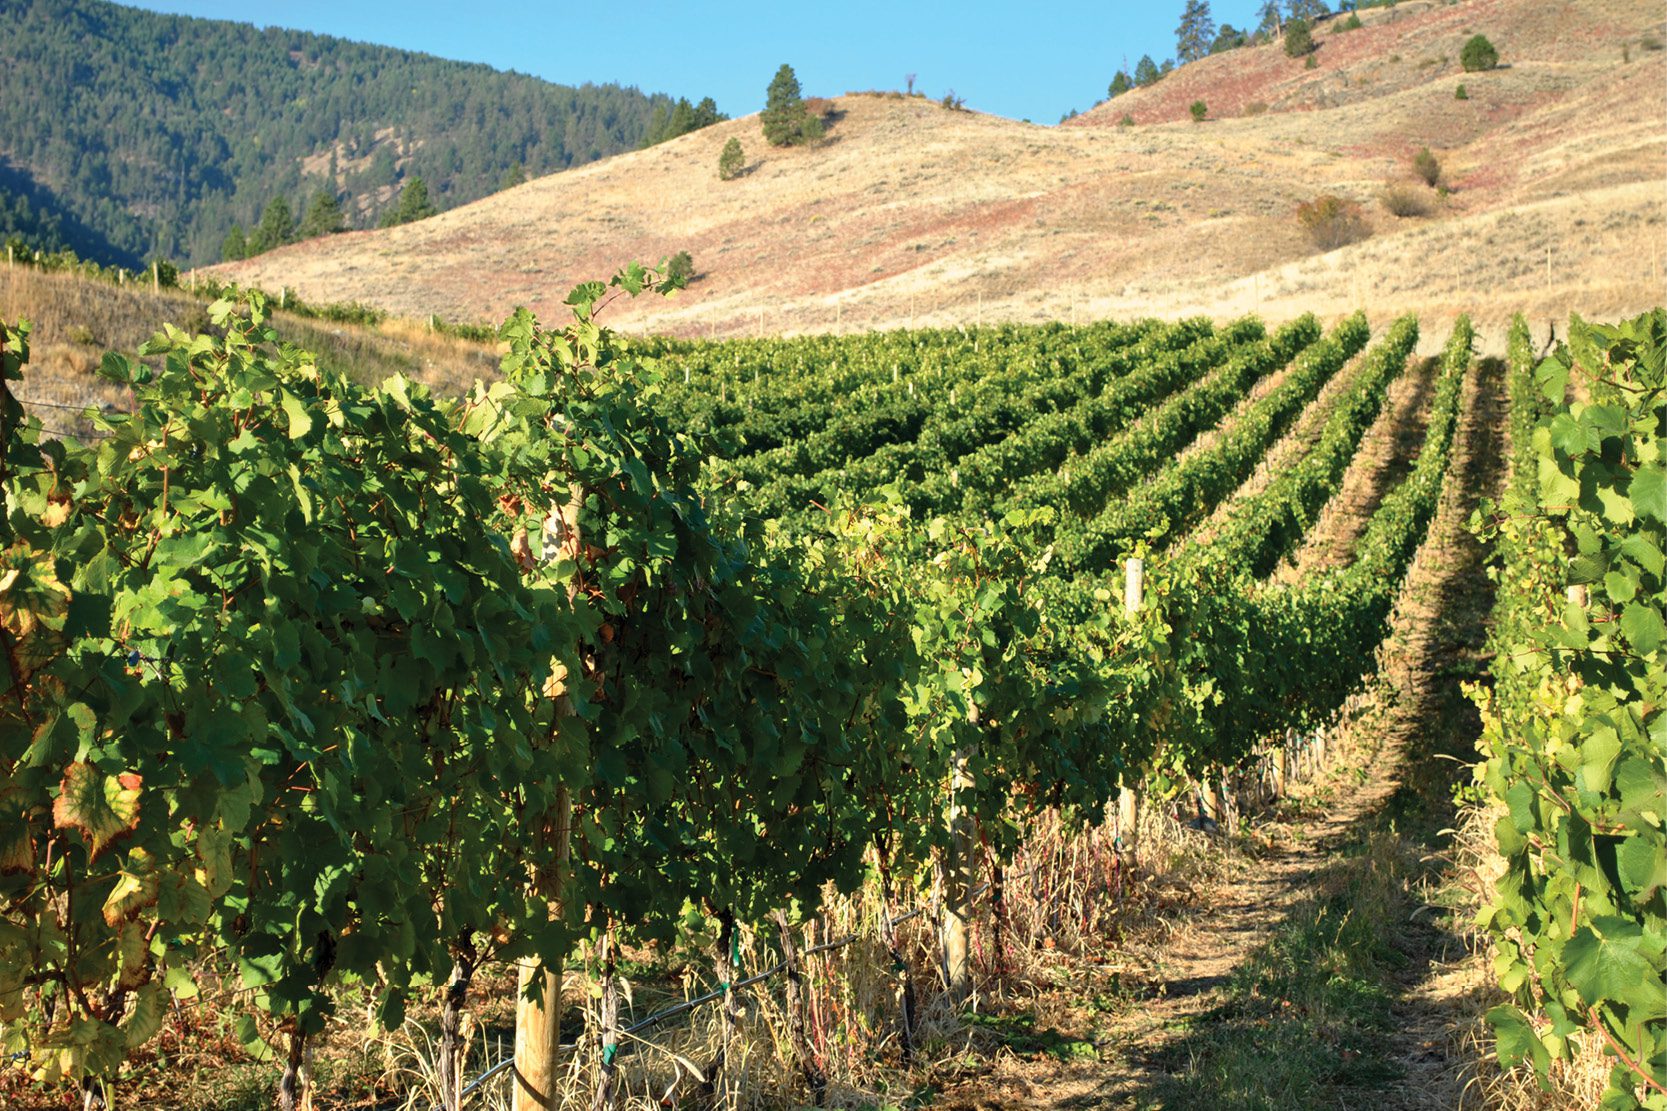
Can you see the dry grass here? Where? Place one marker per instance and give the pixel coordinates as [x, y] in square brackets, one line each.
[75, 320]
[912, 214]
[1404, 199]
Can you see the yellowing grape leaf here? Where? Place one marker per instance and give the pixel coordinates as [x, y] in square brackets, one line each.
[102, 807]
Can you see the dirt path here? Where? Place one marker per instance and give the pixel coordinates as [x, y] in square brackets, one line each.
[1388, 775]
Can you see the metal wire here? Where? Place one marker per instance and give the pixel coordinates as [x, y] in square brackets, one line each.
[676, 1009]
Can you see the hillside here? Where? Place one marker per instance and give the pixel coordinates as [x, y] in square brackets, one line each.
[125, 134]
[913, 213]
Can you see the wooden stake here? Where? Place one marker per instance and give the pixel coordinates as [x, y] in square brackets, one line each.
[1128, 800]
[156, 276]
[538, 1025]
[957, 902]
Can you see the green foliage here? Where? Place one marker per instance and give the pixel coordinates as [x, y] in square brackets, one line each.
[413, 205]
[1574, 725]
[1461, 93]
[1180, 496]
[1427, 167]
[1228, 39]
[681, 119]
[1121, 83]
[1195, 33]
[1146, 71]
[261, 622]
[1272, 18]
[1352, 23]
[786, 120]
[732, 161]
[324, 215]
[680, 269]
[1299, 38]
[1478, 54]
[236, 246]
[1199, 110]
[276, 227]
[131, 133]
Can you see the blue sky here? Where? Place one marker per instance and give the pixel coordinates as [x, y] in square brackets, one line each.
[1004, 58]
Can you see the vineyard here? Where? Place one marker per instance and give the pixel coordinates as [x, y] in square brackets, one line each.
[691, 648]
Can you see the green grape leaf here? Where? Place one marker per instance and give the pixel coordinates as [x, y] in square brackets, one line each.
[1609, 967]
[1642, 867]
[144, 1017]
[1516, 1041]
[1648, 491]
[1643, 627]
[300, 421]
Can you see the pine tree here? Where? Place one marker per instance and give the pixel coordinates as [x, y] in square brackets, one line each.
[236, 246]
[1227, 38]
[1196, 32]
[785, 116]
[277, 227]
[732, 161]
[413, 205]
[1146, 71]
[682, 118]
[658, 126]
[515, 175]
[707, 114]
[1299, 40]
[1309, 10]
[1272, 19]
[324, 215]
[1120, 84]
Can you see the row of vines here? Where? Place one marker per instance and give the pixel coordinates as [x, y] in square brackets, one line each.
[636, 645]
[1575, 737]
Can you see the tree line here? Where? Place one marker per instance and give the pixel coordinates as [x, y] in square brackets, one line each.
[131, 134]
[1199, 36]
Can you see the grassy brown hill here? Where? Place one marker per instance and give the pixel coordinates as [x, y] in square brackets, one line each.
[910, 212]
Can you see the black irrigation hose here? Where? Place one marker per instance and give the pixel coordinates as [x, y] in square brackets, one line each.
[718, 993]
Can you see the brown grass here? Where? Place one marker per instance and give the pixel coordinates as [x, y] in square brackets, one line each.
[75, 320]
[1404, 199]
[909, 214]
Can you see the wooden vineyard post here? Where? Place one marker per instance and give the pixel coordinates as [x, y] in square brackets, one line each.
[10, 261]
[957, 901]
[538, 1025]
[1279, 765]
[1128, 802]
[156, 276]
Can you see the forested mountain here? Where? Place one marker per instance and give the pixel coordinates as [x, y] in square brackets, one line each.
[126, 134]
